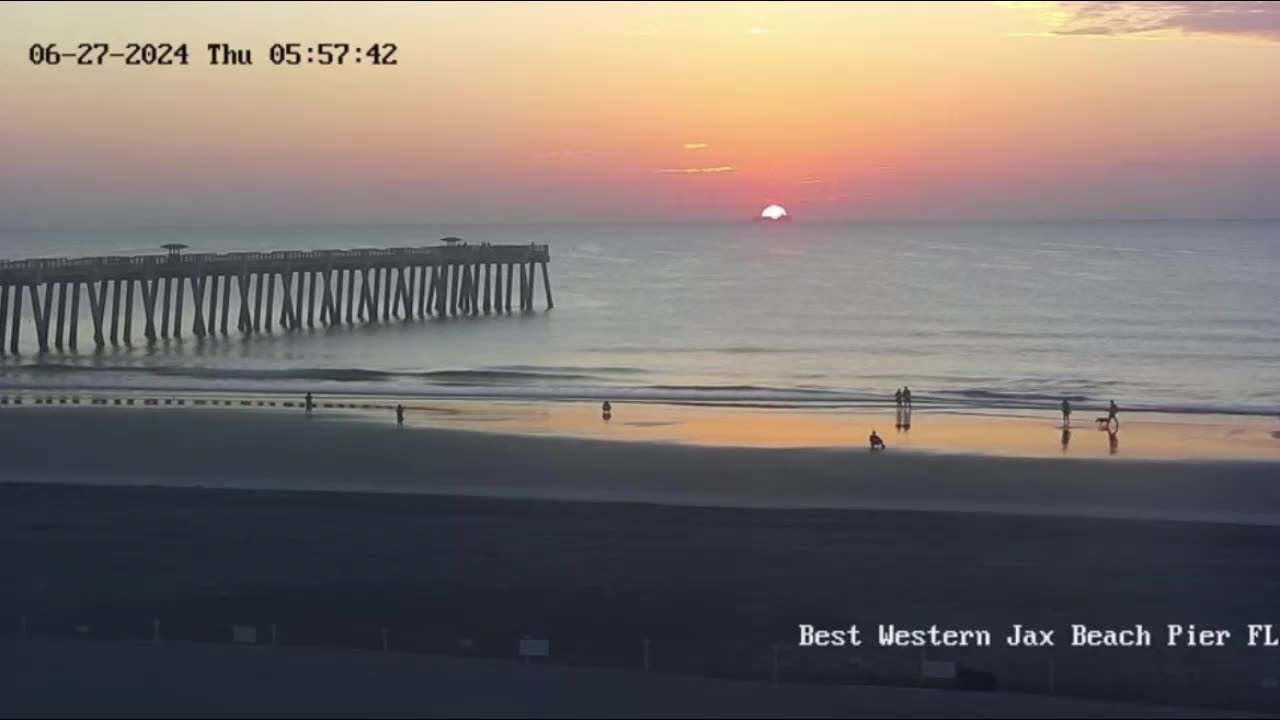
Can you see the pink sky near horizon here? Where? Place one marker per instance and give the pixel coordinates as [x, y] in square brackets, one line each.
[662, 111]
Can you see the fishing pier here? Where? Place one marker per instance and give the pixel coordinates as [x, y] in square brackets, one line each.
[329, 287]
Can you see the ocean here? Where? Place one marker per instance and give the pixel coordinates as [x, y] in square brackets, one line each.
[1163, 316]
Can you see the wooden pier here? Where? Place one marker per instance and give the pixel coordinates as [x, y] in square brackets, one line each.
[325, 287]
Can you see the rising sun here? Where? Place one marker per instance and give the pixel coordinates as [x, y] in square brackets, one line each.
[774, 213]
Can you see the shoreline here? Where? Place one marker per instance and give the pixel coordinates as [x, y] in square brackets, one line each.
[992, 432]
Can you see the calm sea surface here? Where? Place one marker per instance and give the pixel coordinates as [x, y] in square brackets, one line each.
[1178, 316]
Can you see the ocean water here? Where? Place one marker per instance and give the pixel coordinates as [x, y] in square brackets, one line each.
[1175, 316]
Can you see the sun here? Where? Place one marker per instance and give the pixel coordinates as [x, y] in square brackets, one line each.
[774, 212]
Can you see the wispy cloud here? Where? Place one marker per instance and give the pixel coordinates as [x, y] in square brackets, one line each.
[695, 146]
[1255, 19]
[695, 170]
[810, 181]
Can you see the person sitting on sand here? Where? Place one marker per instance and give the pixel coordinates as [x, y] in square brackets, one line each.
[1066, 412]
[399, 416]
[876, 442]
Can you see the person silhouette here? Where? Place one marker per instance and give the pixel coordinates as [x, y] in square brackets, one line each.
[310, 404]
[876, 442]
[606, 410]
[1066, 413]
[897, 397]
[906, 397]
[399, 416]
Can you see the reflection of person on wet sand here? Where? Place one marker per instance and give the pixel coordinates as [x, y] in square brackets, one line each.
[1113, 440]
[876, 442]
[1066, 438]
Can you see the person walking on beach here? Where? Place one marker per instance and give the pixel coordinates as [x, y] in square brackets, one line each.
[1113, 415]
[310, 404]
[1066, 413]
[399, 416]
[897, 398]
[906, 397]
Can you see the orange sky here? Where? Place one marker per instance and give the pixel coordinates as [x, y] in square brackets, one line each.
[665, 111]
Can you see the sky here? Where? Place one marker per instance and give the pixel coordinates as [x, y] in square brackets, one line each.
[670, 111]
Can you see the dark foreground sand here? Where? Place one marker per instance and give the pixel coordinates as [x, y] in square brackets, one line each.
[712, 589]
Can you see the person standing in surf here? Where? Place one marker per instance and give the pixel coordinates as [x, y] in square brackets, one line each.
[1066, 413]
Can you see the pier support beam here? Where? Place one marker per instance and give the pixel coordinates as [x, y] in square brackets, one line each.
[257, 302]
[488, 288]
[97, 306]
[351, 293]
[150, 286]
[311, 300]
[497, 287]
[474, 303]
[288, 316]
[128, 311]
[38, 313]
[386, 294]
[165, 307]
[244, 321]
[546, 286]
[431, 289]
[115, 313]
[177, 305]
[301, 279]
[524, 288]
[73, 342]
[226, 304]
[337, 296]
[453, 290]
[213, 305]
[198, 282]
[511, 270]
[62, 315]
[464, 289]
[4, 317]
[271, 299]
[15, 328]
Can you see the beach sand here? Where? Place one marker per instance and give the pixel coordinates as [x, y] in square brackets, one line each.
[331, 529]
